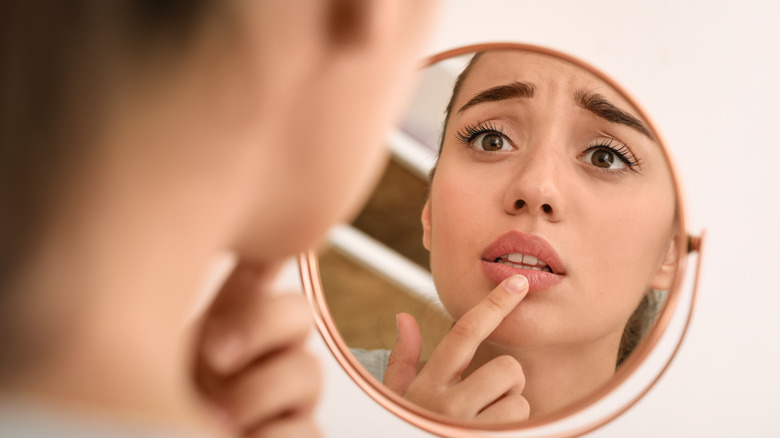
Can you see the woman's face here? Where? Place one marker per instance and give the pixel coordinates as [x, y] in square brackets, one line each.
[542, 158]
[329, 100]
[264, 134]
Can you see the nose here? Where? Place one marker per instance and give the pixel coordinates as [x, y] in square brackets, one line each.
[546, 208]
[535, 189]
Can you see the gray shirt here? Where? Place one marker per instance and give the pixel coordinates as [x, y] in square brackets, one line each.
[374, 361]
[17, 421]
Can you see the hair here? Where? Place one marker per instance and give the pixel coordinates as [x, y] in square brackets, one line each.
[640, 323]
[448, 110]
[643, 317]
[58, 63]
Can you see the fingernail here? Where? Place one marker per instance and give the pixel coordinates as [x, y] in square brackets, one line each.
[224, 351]
[516, 284]
[397, 326]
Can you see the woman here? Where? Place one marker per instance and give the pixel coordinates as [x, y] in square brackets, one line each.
[141, 139]
[550, 218]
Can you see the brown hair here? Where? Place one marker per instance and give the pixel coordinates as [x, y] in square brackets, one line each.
[447, 111]
[57, 61]
[643, 317]
[640, 322]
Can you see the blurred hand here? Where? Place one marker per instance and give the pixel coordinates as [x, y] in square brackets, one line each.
[492, 393]
[251, 361]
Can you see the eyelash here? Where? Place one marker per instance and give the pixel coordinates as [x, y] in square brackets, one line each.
[470, 132]
[621, 150]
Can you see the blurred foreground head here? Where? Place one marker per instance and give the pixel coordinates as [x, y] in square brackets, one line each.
[137, 137]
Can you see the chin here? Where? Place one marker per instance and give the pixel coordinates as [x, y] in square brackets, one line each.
[281, 242]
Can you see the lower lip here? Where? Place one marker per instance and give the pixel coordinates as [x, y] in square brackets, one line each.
[537, 280]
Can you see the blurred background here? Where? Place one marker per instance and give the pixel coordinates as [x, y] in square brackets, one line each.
[707, 73]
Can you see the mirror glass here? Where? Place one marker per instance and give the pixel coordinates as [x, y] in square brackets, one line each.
[513, 160]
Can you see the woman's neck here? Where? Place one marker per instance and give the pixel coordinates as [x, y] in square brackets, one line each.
[557, 377]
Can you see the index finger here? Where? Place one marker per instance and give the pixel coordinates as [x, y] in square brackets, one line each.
[457, 348]
[243, 321]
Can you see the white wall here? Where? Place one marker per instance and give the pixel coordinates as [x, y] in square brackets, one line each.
[708, 74]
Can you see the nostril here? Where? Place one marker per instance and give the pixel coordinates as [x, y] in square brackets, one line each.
[519, 204]
[547, 209]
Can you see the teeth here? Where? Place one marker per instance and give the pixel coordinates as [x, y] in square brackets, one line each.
[517, 258]
[522, 258]
[544, 268]
[523, 261]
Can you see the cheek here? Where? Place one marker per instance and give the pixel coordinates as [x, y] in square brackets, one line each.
[320, 191]
[623, 242]
[332, 180]
[308, 187]
[458, 237]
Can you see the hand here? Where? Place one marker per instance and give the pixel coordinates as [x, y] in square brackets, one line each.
[492, 393]
[252, 365]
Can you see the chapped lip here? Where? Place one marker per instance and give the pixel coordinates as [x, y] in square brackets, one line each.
[518, 242]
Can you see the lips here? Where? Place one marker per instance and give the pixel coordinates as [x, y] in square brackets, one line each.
[518, 253]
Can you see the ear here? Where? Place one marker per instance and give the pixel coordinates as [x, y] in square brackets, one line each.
[425, 218]
[662, 280]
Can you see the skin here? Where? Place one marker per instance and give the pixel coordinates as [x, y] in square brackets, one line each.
[565, 337]
[221, 148]
[440, 385]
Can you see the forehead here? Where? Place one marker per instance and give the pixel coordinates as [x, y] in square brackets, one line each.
[552, 77]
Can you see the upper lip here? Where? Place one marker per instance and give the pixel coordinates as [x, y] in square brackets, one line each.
[518, 242]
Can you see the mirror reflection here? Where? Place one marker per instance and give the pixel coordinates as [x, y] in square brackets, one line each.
[520, 245]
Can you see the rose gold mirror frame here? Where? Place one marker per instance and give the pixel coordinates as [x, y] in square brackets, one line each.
[445, 426]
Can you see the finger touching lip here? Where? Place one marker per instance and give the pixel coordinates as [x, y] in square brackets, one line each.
[537, 280]
[516, 252]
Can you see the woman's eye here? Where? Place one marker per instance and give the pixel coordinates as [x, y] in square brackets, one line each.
[491, 141]
[604, 158]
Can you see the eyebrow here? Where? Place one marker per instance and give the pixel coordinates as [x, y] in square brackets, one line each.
[502, 92]
[589, 100]
[600, 106]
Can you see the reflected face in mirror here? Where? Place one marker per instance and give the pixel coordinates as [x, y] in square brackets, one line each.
[545, 170]
[541, 158]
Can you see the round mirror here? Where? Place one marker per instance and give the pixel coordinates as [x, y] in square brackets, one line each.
[521, 260]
